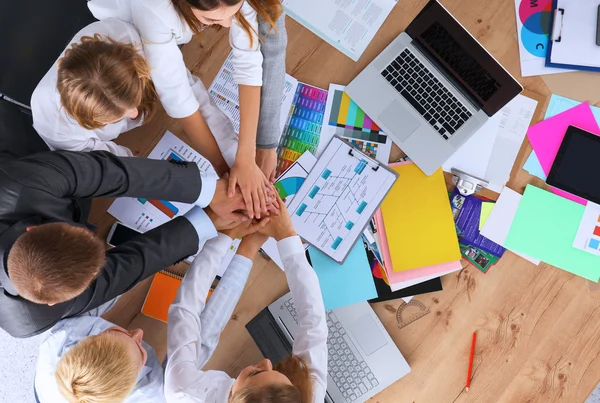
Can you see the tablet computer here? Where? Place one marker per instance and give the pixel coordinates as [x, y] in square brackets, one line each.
[576, 167]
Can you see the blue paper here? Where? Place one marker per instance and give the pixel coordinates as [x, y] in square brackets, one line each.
[556, 105]
[344, 284]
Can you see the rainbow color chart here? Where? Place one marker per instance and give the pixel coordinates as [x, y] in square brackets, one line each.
[353, 120]
[302, 131]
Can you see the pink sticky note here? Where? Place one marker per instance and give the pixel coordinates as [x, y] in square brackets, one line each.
[546, 137]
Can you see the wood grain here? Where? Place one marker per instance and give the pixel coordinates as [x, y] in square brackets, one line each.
[537, 326]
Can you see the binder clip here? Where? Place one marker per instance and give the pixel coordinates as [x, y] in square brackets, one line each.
[467, 184]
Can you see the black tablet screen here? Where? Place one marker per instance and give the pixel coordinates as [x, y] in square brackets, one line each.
[577, 165]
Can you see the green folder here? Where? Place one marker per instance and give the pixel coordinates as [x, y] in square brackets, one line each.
[545, 226]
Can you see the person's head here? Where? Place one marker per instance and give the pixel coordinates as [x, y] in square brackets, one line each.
[103, 368]
[101, 81]
[55, 262]
[199, 14]
[288, 382]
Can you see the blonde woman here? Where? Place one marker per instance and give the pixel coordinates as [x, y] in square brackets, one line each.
[101, 86]
[87, 359]
[194, 329]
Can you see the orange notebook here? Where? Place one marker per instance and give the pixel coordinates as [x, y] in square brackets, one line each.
[162, 293]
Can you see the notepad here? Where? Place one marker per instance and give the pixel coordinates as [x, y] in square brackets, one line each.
[418, 220]
[161, 295]
[544, 228]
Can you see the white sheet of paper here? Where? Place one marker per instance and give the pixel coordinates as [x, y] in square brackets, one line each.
[585, 239]
[500, 220]
[338, 198]
[224, 91]
[491, 152]
[383, 150]
[349, 26]
[408, 283]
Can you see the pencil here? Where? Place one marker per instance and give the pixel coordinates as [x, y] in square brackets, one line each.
[471, 361]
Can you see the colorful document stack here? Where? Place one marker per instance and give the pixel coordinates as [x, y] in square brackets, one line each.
[415, 230]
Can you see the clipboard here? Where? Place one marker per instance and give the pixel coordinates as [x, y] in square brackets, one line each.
[574, 35]
[338, 198]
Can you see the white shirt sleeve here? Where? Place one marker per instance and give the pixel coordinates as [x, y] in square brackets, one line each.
[247, 58]
[154, 22]
[187, 349]
[310, 342]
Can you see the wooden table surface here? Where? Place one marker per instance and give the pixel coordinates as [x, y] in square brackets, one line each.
[538, 327]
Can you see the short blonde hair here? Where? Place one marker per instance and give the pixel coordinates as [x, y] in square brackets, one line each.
[99, 369]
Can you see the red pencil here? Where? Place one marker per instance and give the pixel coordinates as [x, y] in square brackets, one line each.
[471, 361]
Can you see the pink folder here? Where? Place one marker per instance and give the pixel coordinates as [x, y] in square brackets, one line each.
[546, 137]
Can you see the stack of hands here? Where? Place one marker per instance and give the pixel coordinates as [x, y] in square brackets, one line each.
[231, 217]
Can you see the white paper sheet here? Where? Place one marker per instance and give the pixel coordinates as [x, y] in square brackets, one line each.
[533, 37]
[588, 234]
[500, 220]
[347, 25]
[491, 152]
[368, 142]
[144, 215]
[338, 198]
[224, 92]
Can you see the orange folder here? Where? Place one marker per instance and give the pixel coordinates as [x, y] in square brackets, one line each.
[161, 295]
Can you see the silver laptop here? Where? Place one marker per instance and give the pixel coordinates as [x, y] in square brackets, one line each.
[363, 359]
[433, 87]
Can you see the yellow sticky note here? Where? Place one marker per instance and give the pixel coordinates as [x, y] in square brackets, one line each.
[486, 209]
[418, 220]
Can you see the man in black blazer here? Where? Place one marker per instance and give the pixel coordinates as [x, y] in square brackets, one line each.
[50, 193]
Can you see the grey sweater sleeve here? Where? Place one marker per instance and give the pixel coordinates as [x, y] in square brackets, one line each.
[274, 43]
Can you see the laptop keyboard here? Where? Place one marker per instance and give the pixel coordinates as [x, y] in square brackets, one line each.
[426, 94]
[346, 366]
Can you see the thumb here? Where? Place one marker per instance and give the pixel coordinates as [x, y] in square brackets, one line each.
[232, 183]
[238, 217]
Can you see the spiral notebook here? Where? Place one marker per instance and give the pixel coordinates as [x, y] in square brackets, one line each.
[162, 293]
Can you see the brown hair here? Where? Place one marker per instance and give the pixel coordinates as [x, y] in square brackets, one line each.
[99, 79]
[300, 391]
[97, 370]
[270, 10]
[55, 262]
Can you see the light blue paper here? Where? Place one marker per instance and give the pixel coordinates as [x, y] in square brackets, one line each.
[344, 284]
[557, 104]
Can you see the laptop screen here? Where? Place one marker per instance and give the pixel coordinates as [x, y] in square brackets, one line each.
[462, 58]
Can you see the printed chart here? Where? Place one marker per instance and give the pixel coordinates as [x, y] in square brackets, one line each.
[303, 127]
[343, 117]
[588, 234]
[224, 92]
[338, 198]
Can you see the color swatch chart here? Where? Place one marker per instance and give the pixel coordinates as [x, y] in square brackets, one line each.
[338, 198]
[303, 128]
[588, 233]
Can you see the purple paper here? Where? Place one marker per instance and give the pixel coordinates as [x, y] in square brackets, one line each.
[467, 211]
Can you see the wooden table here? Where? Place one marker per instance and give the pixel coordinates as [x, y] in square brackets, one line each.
[538, 326]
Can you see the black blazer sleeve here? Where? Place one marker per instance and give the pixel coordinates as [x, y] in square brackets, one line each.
[138, 259]
[102, 174]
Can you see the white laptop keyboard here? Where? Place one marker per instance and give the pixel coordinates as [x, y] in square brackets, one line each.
[346, 366]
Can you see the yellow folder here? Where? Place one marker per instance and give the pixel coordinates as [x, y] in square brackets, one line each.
[418, 220]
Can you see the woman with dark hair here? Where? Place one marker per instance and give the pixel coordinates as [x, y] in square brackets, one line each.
[165, 24]
[194, 328]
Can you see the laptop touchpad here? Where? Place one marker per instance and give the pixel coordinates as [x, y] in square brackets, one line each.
[399, 120]
[368, 335]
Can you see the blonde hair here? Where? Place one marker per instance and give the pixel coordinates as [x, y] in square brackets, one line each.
[55, 262]
[300, 391]
[99, 79]
[269, 10]
[97, 370]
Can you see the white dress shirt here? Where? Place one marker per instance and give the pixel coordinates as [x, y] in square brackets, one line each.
[62, 132]
[162, 29]
[194, 329]
[66, 334]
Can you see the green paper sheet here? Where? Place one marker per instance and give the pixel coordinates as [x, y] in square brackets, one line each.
[545, 226]
[486, 209]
